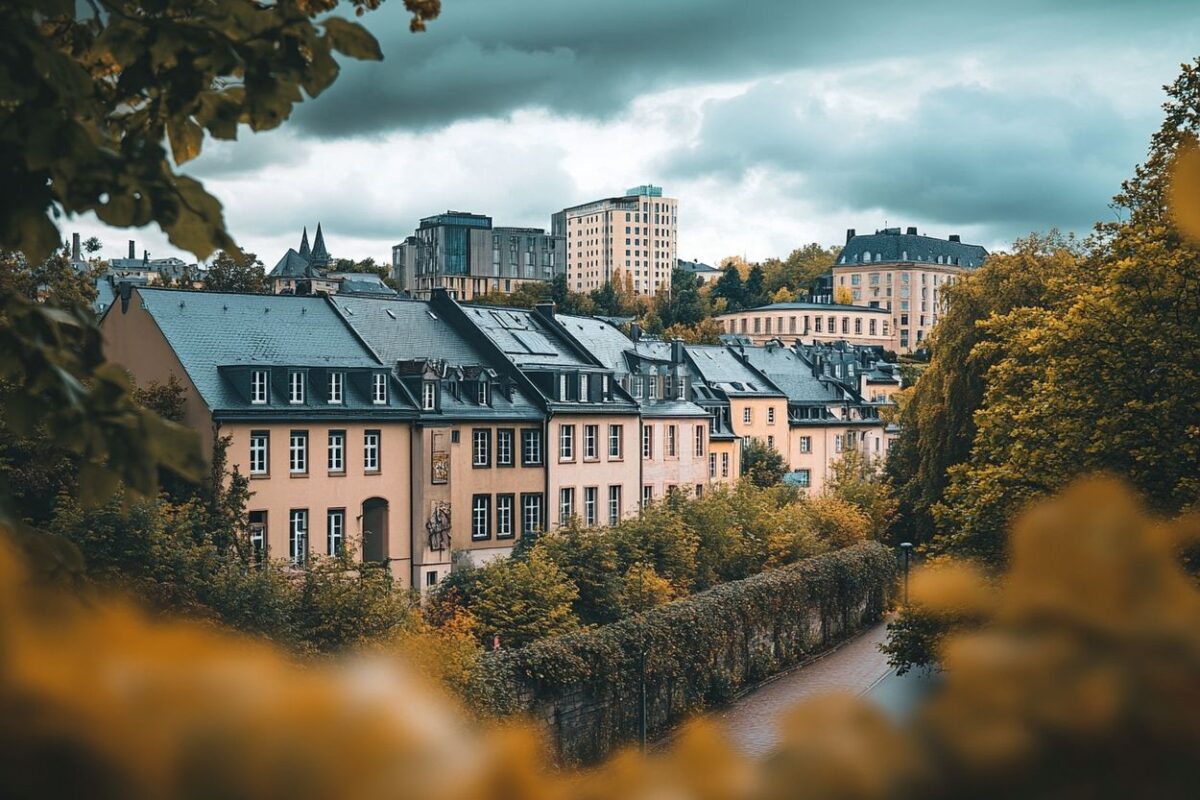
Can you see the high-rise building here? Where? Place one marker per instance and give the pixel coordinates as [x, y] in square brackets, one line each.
[631, 238]
[466, 255]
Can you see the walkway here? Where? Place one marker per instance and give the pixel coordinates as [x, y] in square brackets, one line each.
[856, 666]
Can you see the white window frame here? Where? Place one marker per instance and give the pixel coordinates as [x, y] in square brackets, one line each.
[712, 465]
[482, 393]
[371, 450]
[428, 396]
[298, 536]
[770, 415]
[591, 496]
[504, 447]
[566, 442]
[296, 388]
[615, 434]
[699, 451]
[672, 441]
[504, 516]
[335, 530]
[614, 504]
[481, 512]
[531, 513]
[337, 384]
[260, 453]
[591, 445]
[647, 495]
[379, 389]
[337, 451]
[724, 465]
[298, 452]
[805, 444]
[260, 386]
[531, 445]
[747, 416]
[566, 504]
[481, 455]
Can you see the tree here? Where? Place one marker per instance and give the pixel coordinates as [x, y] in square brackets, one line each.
[643, 589]
[524, 600]
[134, 74]
[754, 293]
[798, 271]
[860, 483]
[843, 295]
[236, 272]
[588, 558]
[762, 465]
[729, 287]
[683, 305]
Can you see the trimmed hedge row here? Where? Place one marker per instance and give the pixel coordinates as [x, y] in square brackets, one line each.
[698, 652]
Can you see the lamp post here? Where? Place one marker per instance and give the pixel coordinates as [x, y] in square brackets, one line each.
[907, 548]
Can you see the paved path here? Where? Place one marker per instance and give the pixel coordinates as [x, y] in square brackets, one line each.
[855, 667]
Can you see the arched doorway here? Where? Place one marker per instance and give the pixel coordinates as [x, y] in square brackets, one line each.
[374, 529]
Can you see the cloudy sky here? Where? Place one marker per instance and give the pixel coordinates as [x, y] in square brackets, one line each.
[775, 122]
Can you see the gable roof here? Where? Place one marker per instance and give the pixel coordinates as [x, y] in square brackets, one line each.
[793, 374]
[292, 265]
[721, 369]
[208, 330]
[525, 338]
[604, 341]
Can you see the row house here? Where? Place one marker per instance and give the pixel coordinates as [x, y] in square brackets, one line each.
[741, 398]
[314, 420]
[675, 441]
[592, 424]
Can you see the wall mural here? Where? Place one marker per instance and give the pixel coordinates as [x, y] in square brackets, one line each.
[438, 525]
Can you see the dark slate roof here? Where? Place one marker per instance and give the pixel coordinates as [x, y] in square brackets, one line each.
[793, 375]
[208, 330]
[527, 340]
[319, 253]
[304, 251]
[362, 283]
[696, 267]
[721, 369]
[292, 265]
[604, 341]
[891, 246]
[105, 295]
[672, 408]
[410, 330]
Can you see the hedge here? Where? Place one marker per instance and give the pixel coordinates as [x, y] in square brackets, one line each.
[699, 652]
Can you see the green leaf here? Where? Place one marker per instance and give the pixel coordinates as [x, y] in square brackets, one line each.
[352, 39]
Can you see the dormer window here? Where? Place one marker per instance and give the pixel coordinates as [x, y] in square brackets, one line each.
[337, 382]
[604, 390]
[562, 388]
[258, 386]
[428, 395]
[296, 388]
[583, 388]
[483, 393]
[379, 393]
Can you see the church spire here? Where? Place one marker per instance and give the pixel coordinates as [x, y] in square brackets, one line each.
[304, 243]
[320, 255]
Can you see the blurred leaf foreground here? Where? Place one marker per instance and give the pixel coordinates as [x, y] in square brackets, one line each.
[1084, 682]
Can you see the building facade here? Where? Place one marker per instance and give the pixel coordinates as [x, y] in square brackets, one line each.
[631, 238]
[813, 322]
[903, 274]
[468, 256]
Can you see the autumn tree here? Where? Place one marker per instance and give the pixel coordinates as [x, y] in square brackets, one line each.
[236, 272]
[523, 600]
[762, 465]
[729, 288]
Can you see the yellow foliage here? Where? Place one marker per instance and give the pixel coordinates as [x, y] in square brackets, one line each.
[843, 295]
[1185, 191]
[1084, 682]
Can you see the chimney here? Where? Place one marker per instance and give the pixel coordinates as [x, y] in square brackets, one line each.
[75, 246]
[911, 231]
[545, 310]
[816, 366]
[676, 351]
[132, 250]
[849, 234]
[954, 237]
[145, 256]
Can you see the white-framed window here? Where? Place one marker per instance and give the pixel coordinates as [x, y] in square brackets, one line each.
[699, 452]
[672, 440]
[590, 434]
[603, 386]
[771, 441]
[562, 388]
[504, 447]
[481, 516]
[337, 383]
[371, 451]
[647, 441]
[337, 451]
[298, 536]
[805, 444]
[614, 504]
[295, 388]
[335, 531]
[566, 505]
[647, 495]
[504, 516]
[583, 388]
[724, 465]
[566, 443]
[481, 446]
[615, 434]
[258, 386]
[531, 447]
[428, 395]
[531, 513]
[258, 536]
[837, 443]
[771, 415]
[712, 465]
[298, 452]
[589, 505]
[260, 444]
[746, 415]
[482, 393]
[379, 389]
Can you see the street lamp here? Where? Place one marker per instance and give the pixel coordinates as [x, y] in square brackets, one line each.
[907, 548]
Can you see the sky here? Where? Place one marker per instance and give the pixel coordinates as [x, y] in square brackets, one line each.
[774, 122]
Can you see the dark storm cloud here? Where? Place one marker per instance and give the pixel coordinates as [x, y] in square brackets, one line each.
[486, 58]
[965, 155]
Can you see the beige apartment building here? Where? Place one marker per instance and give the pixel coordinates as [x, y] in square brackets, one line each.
[904, 274]
[811, 322]
[632, 238]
